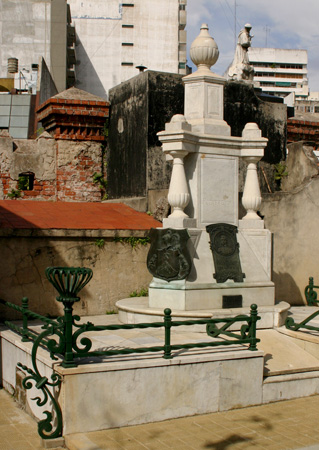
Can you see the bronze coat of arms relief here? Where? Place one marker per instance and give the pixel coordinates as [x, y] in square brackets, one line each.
[168, 257]
[225, 249]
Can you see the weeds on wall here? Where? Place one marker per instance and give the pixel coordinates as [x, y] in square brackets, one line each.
[143, 292]
[280, 173]
[133, 241]
[99, 243]
[14, 194]
[99, 179]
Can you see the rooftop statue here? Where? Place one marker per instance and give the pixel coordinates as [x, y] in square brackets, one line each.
[241, 69]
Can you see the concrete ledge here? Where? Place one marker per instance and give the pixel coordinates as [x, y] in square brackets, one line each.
[286, 387]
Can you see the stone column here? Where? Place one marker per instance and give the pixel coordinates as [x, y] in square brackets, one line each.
[178, 194]
[253, 151]
[251, 197]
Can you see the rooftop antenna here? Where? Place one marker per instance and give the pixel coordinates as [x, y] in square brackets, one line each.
[235, 21]
[267, 31]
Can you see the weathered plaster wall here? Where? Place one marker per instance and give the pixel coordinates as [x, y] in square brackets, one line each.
[118, 269]
[301, 165]
[293, 216]
[63, 170]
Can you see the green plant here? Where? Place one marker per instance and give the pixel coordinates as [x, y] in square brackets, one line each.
[99, 243]
[40, 131]
[280, 171]
[23, 183]
[108, 313]
[15, 193]
[105, 131]
[133, 241]
[98, 178]
[143, 292]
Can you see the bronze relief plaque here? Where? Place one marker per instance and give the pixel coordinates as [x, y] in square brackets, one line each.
[225, 249]
[168, 257]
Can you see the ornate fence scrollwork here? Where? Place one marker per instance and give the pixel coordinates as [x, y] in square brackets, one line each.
[50, 427]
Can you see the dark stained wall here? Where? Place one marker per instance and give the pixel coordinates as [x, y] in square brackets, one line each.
[242, 105]
[140, 107]
[127, 141]
[166, 98]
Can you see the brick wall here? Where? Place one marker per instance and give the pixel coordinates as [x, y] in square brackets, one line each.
[63, 169]
[302, 130]
[63, 160]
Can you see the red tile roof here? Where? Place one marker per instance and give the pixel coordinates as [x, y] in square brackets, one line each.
[17, 214]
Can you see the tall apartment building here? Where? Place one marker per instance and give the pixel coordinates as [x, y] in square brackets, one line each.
[31, 29]
[113, 38]
[280, 72]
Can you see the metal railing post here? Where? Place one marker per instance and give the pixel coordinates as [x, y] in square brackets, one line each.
[25, 307]
[252, 331]
[67, 332]
[167, 325]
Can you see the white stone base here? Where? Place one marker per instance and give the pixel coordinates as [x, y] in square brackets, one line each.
[196, 297]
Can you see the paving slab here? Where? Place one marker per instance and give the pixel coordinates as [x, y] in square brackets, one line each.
[18, 431]
[276, 426]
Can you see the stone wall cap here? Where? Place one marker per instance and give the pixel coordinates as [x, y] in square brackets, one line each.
[78, 94]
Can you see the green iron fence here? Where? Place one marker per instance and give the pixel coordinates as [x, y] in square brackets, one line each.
[67, 339]
[311, 298]
[310, 293]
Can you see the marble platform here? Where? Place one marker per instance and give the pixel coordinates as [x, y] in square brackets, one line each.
[116, 391]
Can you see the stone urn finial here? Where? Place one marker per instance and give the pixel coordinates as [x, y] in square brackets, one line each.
[204, 51]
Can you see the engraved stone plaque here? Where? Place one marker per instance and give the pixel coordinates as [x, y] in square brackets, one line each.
[225, 249]
[168, 257]
[232, 301]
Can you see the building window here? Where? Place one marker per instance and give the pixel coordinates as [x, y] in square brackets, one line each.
[129, 5]
[182, 7]
[26, 181]
[127, 26]
[127, 64]
[181, 65]
[127, 44]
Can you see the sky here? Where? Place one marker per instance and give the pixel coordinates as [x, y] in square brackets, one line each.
[290, 24]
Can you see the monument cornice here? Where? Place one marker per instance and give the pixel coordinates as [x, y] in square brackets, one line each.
[212, 144]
